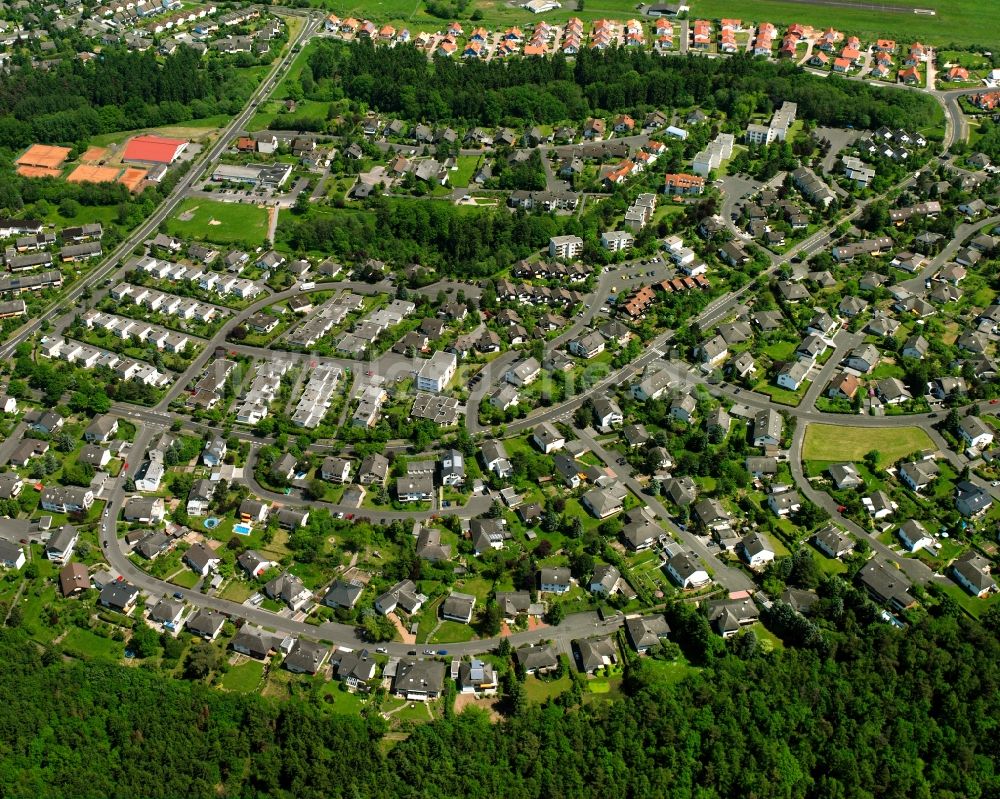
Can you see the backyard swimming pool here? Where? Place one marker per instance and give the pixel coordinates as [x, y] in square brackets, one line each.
[242, 529]
[211, 524]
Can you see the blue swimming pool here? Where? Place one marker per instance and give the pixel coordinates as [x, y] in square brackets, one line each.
[212, 523]
[242, 529]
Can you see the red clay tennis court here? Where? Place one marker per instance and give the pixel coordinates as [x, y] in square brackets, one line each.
[132, 178]
[88, 173]
[94, 154]
[44, 155]
[38, 172]
[42, 161]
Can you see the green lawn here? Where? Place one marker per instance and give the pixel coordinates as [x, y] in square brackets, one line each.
[671, 671]
[783, 396]
[452, 632]
[538, 690]
[185, 578]
[768, 640]
[884, 370]
[341, 701]
[415, 712]
[221, 223]
[830, 566]
[972, 604]
[827, 442]
[243, 678]
[781, 350]
[90, 645]
[237, 591]
[462, 177]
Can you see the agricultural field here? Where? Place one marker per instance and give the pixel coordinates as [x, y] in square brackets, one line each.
[220, 223]
[825, 442]
[960, 22]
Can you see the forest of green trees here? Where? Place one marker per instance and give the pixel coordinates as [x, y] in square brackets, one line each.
[121, 90]
[872, 712]
[402, 81]
[455, 240]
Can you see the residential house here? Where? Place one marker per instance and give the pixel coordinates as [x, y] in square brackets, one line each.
[206, 624]
[202, 559]
[289, 589]
[604, 502]
[833, 542]
[101, 430]
[595, 653]
[972, 572]
[646, 633]
[419, 680]
[119, 596]
[458, 607]
[755, 550]
[306, 657]
[606, 580]
[687, 571]
[886, 584]
[554, 580]
[253, 563]
[971, 500]
[914, 536]
[783, 501]
[845, 476]
[729, 616]
[975, 432]
[547, 438]
[537, 658]
[403, 595]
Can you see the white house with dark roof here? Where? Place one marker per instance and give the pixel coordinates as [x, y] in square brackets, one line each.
[755, 550]
[832, 542]
[554, 580]
[547, 438]
[975, 432]
[687, 571]
[972, 572]
[914, 536]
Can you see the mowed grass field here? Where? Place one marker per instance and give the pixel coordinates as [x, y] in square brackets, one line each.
[964, 22]
[828, 442]
[220, 223]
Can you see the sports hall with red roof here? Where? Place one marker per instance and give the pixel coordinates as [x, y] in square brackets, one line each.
[151, 149]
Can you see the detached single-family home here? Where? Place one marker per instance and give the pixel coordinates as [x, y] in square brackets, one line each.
[202, 559]
[918, 474]
[971, 500]
[832, 542]
[845, 476]
[205, 624]
[687, 571]
[972, 572]
[914, 535]
[645, 633]
[975, 432]
[755, 550]
[547, 438]
[554, 580]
